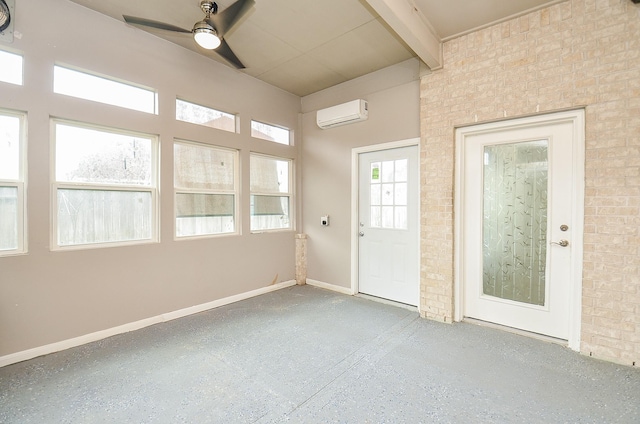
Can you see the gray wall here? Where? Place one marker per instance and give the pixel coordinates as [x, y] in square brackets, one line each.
[394, 114]
[45, 296]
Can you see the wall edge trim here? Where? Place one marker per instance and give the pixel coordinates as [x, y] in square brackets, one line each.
[25, 355]
[320, 284]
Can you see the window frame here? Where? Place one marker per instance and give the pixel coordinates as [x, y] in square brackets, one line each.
[20, 185]
[281, 127]
[182, 190]
[153, 188]
[153, 110]
[290, 194]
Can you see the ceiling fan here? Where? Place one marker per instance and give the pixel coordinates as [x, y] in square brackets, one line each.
[5, 15]
[6, 20]
[209, 32]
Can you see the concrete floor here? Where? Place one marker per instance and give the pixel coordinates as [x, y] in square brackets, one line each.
[306, 355]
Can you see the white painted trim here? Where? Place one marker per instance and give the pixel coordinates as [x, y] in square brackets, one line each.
[136, 325]
[340, 289]
[355, 193]
[577, 116]
[413, 27]
[458, 190]
[579, 160]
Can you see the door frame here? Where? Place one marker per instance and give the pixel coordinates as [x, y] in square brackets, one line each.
[355, 207]
[577, 118]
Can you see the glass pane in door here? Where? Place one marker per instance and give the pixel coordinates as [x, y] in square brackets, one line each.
[515, 221]
[389, 194]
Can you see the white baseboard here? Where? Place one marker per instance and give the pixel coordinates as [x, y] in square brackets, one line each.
[333, 287]
[132, 326]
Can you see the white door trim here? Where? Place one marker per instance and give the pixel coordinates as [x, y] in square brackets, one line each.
[578, 120]
[355, 192]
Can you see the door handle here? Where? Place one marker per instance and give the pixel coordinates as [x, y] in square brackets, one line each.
[563, 243]
[361, 233]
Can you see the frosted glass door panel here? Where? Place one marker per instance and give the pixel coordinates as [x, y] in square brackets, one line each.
[520, 223]
[515, 221]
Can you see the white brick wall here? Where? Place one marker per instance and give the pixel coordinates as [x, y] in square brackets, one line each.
[579, 53]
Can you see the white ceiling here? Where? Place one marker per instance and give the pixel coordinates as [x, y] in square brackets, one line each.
[304, 46]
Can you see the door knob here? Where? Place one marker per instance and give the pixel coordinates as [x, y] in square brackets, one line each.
[361, 233]
[563, 243]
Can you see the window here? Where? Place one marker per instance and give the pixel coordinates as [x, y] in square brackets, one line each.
[98, 89]
[12, 169]
[270, 193]
[202, 115]
[105, 182]
[389, 194]
[205, 189]
[270, 132]
[10, 68]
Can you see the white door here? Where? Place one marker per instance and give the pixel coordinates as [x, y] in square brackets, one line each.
[388, 239]
[519, 226]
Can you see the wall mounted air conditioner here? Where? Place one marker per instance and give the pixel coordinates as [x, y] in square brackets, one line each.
[346, 113]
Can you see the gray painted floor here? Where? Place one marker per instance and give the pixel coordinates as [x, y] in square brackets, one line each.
[306, 355]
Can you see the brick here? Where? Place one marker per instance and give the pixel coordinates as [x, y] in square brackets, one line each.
[591, 58]
[575, 53]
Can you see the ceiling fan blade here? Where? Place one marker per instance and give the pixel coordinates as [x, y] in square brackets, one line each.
[224, 21]
[225, 51]
[153, 24]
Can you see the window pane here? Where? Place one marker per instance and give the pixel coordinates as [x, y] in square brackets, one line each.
[202, 167]
[401, 218]
[269, 212]
[387, 171]
[9, 147]
[375, 172]
[387, 217]
[88, 155]
[198, 214]
[98, 89]
[190, 205]
[10, 68]
[376, 217]
[8, 218]
[269, 175]
[270, 132]
[387, 194]
[201, 115]
[401, 170]
[376, 196]
[100, 216]
[514, 229]
[401, 194]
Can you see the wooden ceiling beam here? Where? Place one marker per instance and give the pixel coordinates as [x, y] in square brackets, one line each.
[406, 20]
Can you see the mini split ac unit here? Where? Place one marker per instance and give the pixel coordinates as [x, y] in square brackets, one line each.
[346, 113]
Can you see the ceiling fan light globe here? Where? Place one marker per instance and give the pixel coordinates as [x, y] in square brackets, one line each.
[206, 36]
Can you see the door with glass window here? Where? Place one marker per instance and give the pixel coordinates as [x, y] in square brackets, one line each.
[388, 227]
[518, 225]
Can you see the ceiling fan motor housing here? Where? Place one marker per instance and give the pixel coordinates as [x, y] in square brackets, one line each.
[209, 7]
